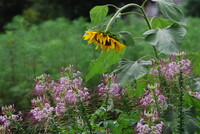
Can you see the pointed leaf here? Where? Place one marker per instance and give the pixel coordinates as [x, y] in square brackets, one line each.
[171, 10]
[127, 38]
[166, 40]
[105, 61]
[131, 70]
[160, 23]
[97, 14]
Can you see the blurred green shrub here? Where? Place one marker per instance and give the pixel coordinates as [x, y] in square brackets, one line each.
[27, 51]
[191, 41]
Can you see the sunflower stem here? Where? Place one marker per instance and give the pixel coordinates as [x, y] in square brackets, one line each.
[143, 15]
[117, 13]
[144, 3]
[149, 25]
[111, 5]
[132, 13]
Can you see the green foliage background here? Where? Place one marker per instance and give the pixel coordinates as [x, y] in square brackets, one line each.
[28, 50]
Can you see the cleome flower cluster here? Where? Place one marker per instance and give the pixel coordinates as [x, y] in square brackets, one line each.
[109, 86]
[150, 120]
[7, 118]
[153, 95]
[172, 67]
[56, 97]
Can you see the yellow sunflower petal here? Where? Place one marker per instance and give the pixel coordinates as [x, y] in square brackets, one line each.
[100, 38]
[97, 46]
[113, 44]
[104, 39]
[86, 37]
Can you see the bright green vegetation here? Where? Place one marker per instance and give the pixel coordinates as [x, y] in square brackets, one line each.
[191, 41]
[28, 50]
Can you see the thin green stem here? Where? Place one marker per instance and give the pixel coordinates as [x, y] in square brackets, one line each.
[117, 13]
[181, 117]
[142, 38]
[83, 111]
[106, 102]
[132, 13]
[111, 5]
[147, 56]
[144, 3]
[145, 17]
[155, 52]
[149, 25]
[156, 102]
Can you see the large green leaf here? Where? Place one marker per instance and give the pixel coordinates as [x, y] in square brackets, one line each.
[97, 14]
[131, 70]
[160, 23]
[170, 116]
[195, 84]
[190, 120]
[195, 59]
[106, 106]
[122, 123]
[171, 10]
[166, 40]
[191, 125]
[127, 38]
[105, 61]
[192, 102]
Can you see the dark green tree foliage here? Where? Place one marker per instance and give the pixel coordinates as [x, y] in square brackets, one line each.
[10, 8]
[193, 8]
[39, 10]
[71, 8]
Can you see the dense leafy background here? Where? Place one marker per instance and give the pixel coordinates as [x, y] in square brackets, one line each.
[28, 50]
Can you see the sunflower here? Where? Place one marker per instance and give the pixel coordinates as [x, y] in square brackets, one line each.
[104, 41]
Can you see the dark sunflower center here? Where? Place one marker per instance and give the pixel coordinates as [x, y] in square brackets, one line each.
[97, 40]
[108, 43]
